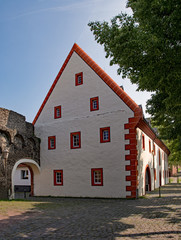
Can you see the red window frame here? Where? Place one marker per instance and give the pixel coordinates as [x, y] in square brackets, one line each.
[143, 141]
[49, 142]
[163, 156]
[159, 156]
[102, 140]
[77, 79]
[93, 170]
[55, 112]
[154, 149]
[72, 140]
[92, 103]
[55, 177]
[149, 146]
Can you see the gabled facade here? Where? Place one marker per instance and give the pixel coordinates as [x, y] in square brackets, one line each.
[91, 135]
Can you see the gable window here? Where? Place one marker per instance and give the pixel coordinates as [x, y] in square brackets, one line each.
[51, 142]
[97, 176]
[57, 112]
[105, 134]
[75, 139]
[58, 177]
[79, 79]
[143, 142]
[94, 104]
[24, 174]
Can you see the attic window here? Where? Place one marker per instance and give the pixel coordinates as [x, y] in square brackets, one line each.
[79, 79]
[57, 112]
[94, 104]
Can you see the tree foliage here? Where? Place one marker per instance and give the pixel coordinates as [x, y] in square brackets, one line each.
[147, 48]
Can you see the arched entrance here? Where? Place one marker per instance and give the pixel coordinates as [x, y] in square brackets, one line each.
[147, 179]
[28, 170]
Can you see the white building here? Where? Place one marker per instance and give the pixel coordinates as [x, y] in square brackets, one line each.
[95, 141]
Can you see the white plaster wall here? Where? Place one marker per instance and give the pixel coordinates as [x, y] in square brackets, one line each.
[17, 177]
[76, 116]
[146, 158]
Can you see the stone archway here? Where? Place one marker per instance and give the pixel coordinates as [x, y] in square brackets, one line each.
[34, 169]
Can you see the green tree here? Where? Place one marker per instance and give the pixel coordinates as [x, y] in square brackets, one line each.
[147, 48]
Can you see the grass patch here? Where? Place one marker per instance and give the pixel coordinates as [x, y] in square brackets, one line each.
[15, 206]
[142, 197]
[170, 180]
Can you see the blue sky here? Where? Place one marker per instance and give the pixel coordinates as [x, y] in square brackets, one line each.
[36, 37]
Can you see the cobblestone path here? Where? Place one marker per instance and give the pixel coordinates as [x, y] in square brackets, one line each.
[69, 218]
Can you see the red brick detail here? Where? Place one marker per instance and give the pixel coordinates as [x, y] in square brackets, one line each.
[132, 155]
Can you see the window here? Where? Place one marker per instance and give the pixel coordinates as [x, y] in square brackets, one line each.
[94, 104]
[24, 174]
[78, 79]
[154, 149]
[51, 142]
[155, 173]
[58, 177]
[163, 156]
[97, 176]
[57, 112]
[159, 156]
[143, 142]
[75, 140]
[105, 134]
[149, 146]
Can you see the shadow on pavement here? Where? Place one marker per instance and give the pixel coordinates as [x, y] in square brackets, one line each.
[74, 218]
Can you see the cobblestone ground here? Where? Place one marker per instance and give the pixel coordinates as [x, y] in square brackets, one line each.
[68, 218]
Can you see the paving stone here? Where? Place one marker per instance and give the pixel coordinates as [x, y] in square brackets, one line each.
[70, 218]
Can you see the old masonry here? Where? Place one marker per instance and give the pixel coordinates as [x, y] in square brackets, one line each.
[18, 147]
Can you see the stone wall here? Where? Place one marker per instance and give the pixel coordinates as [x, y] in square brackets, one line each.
[17, 141]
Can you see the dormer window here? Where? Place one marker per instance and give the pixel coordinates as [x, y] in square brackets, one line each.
[79, 79]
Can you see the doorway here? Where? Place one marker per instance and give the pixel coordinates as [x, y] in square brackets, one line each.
[147, 179]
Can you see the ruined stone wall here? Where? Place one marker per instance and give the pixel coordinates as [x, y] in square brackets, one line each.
[17, 141]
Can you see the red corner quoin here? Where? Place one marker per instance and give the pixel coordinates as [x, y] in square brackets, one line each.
[132, 156]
